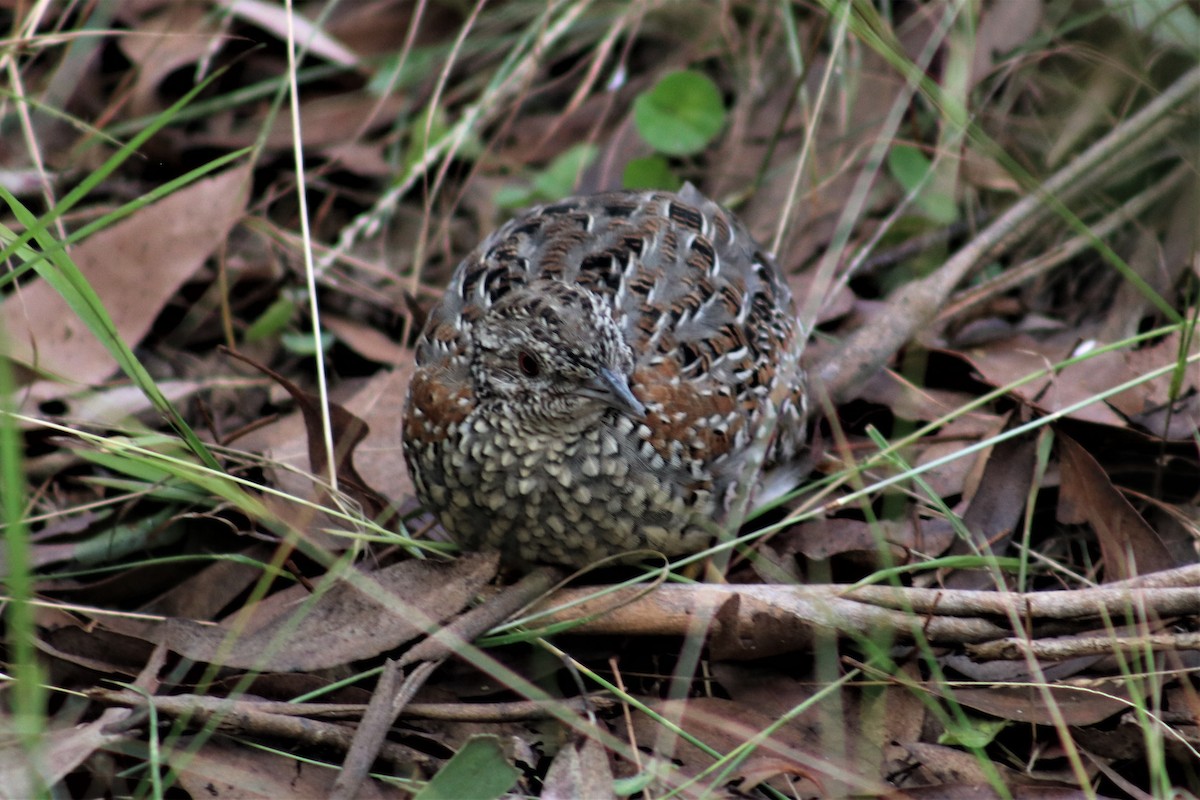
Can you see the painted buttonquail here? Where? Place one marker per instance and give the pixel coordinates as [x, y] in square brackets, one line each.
[596, 377]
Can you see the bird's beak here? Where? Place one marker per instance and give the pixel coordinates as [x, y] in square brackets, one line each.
[613, 389]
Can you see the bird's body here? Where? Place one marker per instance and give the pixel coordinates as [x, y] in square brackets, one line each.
[596, 377]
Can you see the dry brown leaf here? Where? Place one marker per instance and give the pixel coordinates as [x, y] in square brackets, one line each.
[116, 405]
[1155, 393]
[135, 267]
[273, 17]
[323, 121]
[581, 769]
[917, 403]
[1002, 27]
[773, 691]
[1178, 422]
[953, 773]
[206, 591]
[819, 539]
[367, 340]
[59, 753]
[726, 725]
[961, 791]
[379, 402]
[757, 770]
[838, 303]
[1083, 705]
[954, 477]
[222, 771]
[996, 507]
[1005, 361]
[379, 28]
[901, 715]
[1129, 545]
[985, 172]
[862, 724]
[96, 649]
[344, 624]
[169, 38]
[346, 431]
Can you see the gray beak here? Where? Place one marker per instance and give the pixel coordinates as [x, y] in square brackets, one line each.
[613, 388]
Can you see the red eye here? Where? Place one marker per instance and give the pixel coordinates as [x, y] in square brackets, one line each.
[528, 364]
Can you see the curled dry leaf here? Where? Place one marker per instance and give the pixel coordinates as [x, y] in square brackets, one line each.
[346, 430]
[379, 458]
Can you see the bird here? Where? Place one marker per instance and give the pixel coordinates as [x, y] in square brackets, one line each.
[601, 377]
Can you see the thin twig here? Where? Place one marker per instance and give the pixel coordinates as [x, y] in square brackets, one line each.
[913, 307]
[1012, 278]
[1060, 649]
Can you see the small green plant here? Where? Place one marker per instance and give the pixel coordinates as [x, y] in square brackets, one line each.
[679, 116]
[913, 170]
[554, 182]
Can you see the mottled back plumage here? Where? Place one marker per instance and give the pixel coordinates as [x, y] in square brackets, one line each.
[595, 377]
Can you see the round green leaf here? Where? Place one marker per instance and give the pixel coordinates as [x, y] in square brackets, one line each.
[652, 172]
[681, 114]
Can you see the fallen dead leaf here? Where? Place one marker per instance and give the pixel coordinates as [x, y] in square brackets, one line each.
[1005, 361]
[275, 19]
[1078, 705]
[726, 725]
[1129, 545]
[367, 340]
[345, 624]
[995, 509]
[23, 774]
[379, 458]
[163, 41]
[580, 769]
[222, 771]
[135, 267]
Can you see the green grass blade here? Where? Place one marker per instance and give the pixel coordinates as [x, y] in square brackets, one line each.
[62, 274]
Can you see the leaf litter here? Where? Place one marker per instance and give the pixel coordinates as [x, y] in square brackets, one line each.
[1017, 618]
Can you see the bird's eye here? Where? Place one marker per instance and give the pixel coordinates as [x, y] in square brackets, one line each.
[528, 364]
